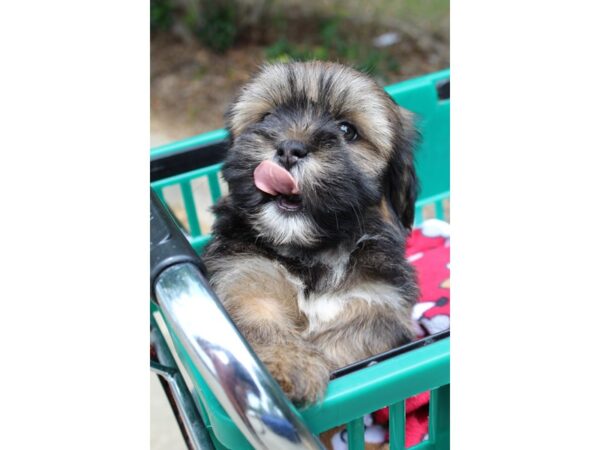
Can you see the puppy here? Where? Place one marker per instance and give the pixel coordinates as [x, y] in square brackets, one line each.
[308, 249]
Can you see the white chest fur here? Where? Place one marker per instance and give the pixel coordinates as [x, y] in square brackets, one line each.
[322, 309]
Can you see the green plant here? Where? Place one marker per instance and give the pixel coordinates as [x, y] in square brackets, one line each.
[371, 62]
[331, 35]
[218, 28]
[161, 14]
[282, 50]
[278, 51]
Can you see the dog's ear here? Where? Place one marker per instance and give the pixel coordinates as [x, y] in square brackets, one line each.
[400, 182]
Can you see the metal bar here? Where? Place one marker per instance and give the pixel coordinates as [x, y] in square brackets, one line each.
[397, 426]
[239, 381]
[190, 208]
[356, 434]
[190, 423]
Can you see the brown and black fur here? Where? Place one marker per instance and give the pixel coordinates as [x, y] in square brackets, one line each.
[316, 289]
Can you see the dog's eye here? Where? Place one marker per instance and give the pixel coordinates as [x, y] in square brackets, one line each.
[349, 131]
[264, 116]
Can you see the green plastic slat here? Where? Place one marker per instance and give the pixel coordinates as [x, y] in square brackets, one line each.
[397, 426]
[356, 434]
[190, 208]
[199, 242]
[213, 184]
[383, 384]
[418, 216]
[433, 198]
[188, 176]
[439, 417]
[160, 194]
[433, 399]
[419, 94]
[439, 209]
[186, 144]
[427, 445]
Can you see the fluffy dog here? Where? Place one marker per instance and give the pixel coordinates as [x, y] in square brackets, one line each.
[308, 249]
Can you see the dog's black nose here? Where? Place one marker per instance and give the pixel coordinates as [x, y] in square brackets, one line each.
[289, 152]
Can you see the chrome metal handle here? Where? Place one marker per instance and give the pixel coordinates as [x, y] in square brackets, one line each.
[239, 381]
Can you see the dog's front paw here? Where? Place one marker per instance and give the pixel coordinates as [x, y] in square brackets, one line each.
[301, 371]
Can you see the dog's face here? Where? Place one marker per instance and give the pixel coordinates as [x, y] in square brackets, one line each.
[343, 144]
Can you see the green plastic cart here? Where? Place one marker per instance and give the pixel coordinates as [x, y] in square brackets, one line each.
[204, 404]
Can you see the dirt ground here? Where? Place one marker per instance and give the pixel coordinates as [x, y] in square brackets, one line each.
[191, 86]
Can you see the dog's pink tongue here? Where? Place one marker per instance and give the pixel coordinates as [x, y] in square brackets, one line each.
[274, 179]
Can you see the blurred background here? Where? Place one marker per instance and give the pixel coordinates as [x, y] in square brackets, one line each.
[202, 51]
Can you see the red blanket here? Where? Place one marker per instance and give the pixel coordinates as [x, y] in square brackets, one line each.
[428, 249]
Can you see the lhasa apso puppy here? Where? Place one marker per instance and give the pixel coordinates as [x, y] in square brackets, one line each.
[308, 249]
